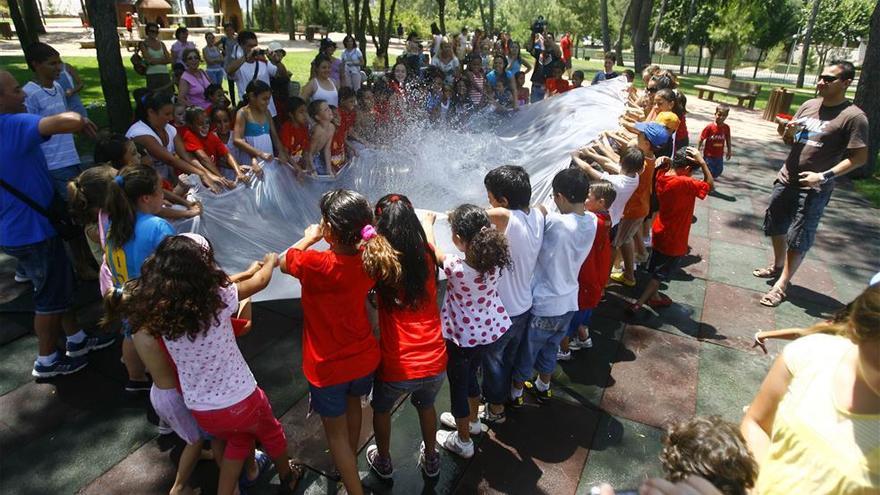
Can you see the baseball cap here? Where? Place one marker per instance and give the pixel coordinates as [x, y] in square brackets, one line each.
[327, 43]
[656, 133]
[275, 46]
[668, 119]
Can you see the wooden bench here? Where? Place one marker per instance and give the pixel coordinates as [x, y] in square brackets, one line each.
[742, 91]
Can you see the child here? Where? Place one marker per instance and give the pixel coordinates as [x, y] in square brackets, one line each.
[672, 100]
[593, 275]
[715, 135]
[522, 92]
[294, 133]
[184, 298]
[86, 195]
[624, 175]
[216, 96]
[475, 81]
[510, 192]
[445, 103]
[577, 79]
[352, 62]
[710, 448]
[677, 192]
[473, 316]
[179, 122]
[568, 238]
[348, 115]
[555, 84]
[254, 130]
[413, 351]
[338, 156]
[340, 355]
[503, 97]
[221, 122]
[208, 149]
[317, 158]
[434, 98]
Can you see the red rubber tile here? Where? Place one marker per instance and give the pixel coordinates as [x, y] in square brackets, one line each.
[732, 315]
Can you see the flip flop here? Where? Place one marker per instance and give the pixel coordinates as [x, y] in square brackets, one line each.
[767, 272]
[773, 298]
[263, 465]
[297, 472]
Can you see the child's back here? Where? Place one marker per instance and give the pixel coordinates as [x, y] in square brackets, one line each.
[677, 195]
[593, 275]
[525, 235]
[568, 239]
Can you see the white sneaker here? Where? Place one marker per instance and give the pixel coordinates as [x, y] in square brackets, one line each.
[21, 279]
[563, 356]
[449, 440]
[586, 344]
[448, 420]
[574, 344]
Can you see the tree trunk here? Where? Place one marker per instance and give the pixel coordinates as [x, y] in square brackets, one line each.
[25, 36]
[483, 15]
[618, 48]
[346, 11]
[31, 13]
[291, 19]
[232, 13]
[441, 13]
[866, 95]
[273, 7]
[700, 59]
[687, 41]
[191, 10]
[491, 29]
[606, 32]
[805, 54]
[641, 19]
[757, 62]
[711, 61]
[657, 25]
[729, 52]
[114, 82]
[361, 14]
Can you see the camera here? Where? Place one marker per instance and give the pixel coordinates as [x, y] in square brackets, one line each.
[260, 53]
[539, 25]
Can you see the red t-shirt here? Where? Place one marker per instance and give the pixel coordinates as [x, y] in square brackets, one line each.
[682, 131]
[594, 273]
[412, 339]
[338, 344]
[295, 138]
[346, 119]
[554, 85]
[672, 225]
[715, 137]
[210, 144]
[565, 44]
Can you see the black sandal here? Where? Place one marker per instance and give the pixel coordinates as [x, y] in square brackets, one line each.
[297, 472]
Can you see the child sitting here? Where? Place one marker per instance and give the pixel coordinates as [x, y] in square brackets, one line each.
[677, 192]
[179, 116]
[712, 141]
[208, 149]
[338, 145]
[255, 134]
[216, 96]
[503, 97]
[294, 133]
[340, 355]
[473, 316]
[568, 238]
[522, 92]
[413, 351]
[317, 158]
[434, 97]
[555, 84]
[577, 79]
[593, 275]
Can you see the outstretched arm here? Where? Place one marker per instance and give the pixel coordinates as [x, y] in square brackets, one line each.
[592, 173]
[253, 281]
[428, 225]
[67, 123]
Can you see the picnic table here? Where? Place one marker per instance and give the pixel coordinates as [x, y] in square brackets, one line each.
[742, 91]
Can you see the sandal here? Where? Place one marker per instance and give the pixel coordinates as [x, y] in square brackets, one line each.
[773, 298]
[297, 472]
[767, 272]
[263, 464]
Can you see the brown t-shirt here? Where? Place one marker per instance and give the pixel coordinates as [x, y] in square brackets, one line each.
[827, 134]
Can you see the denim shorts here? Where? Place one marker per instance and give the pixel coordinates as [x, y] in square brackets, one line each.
[330, 401]
[795, 213]
[662, 266]
[61, 176]
[499, 359]
[422, 392]
[539, 345]
[581, 318]
[716, 165]
[47, 265]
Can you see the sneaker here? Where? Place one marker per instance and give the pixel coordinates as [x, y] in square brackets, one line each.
[164, 428]
[382, 467]
[543, 397]
[63, 366]
[563, 356]
[430, 465]
[574, 344]
[89, 344]
[21, 278]
[138, 386]
[449, 440]
[448, 420]
[517, 402]
[620, 278]
[586, 344]
[487, 416]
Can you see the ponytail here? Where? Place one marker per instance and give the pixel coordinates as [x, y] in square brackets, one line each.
[146, 100]
[87, 192]
[381, 260]
[486, 247]
[123, 193]
[115, 302]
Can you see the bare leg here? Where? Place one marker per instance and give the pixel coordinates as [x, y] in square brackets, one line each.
[428, 424]
[353, 418]
[463, 426]
[68, 323]
[793, 260]
[627, 253]
[133, 364]
[639, 245]
[779, 249]
[474, 403]
[336, 431]
[649, 291]
[382, 431]
[48, 329]
[564, 344]
[230, 470]
[188, 459]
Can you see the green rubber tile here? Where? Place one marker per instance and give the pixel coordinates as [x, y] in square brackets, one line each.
[733, 264]
[728, 380]
[800, 314]
[732, 315]
[686, 290]
[734, 202]
[696, 262]
[700, 224]
[150, 469]
[267, 328]
[16, 362]
[584, 378]
[850, 280]
[14, 325]
[623, 453]
[278, 371]
[737, 227]
[655, 377]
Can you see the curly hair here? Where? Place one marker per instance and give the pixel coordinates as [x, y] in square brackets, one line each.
[486, 247]
[177, 293]
[711, 448]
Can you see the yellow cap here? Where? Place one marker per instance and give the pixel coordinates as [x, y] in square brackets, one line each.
[668, 119]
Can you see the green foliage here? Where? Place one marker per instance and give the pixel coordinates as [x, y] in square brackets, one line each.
[841, 21]
[775, 22]
[674, 24]
[414, 22]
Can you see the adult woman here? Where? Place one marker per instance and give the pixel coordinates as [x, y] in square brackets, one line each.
[813, 425]
[542, 71]
[213, 59]
[436, 39]
[399, 81]
[194, 81]
[72, 84]
[515, 61]
[182, 35]
[352, 63]
[321, 86]
[413, 52]
[156, 57]
[155, 134]
[446, 61]
[328, 48]
[499, 73]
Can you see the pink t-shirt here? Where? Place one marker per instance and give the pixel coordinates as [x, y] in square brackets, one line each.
[472, 312]
[213, 374]
[197, 86]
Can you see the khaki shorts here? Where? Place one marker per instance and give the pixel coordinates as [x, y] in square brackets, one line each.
[626, 229]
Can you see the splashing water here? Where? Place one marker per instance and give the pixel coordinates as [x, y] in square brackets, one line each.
[438, 168]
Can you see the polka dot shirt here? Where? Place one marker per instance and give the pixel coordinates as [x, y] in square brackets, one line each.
[472, 313]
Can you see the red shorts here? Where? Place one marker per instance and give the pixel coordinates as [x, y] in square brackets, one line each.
[241, 424]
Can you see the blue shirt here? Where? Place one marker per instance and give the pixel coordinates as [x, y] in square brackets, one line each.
[492, 77]
[602, 76]
[23, 166]
[60, 150]
[125, 263]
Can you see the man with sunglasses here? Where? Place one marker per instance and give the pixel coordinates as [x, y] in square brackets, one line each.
[828, 137]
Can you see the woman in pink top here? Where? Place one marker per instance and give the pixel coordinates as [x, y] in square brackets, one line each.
[182, 35]
[194, 81]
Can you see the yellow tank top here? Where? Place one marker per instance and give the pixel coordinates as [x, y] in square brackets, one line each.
[817, 447]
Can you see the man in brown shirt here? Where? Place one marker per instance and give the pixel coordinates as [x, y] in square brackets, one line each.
[828, 137]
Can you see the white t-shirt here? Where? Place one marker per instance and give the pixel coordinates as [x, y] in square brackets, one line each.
[245, 74]
[472, 313]
[59, 150]
[525, 234]
[624, 186]
[140, 128]
[213, 373]
[568, 239]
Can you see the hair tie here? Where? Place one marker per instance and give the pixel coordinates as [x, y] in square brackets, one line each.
[117, 292]
[144, 98]
[120, 180]
[368, 232]
[484, 228]
[394, 198]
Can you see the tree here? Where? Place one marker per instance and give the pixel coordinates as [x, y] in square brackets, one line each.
[25, 36]
[606, 33]
[838, 24]
[441, 13]
[805, 52]
[774, 25]
[31, 13]
[191, 10]
[657, 24]
[618, 48]
[640, 11]
[114, 83]
[382, 35]
[734, 29]
[867, 91]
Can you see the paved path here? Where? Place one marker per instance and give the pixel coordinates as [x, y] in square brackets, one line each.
[84, 434]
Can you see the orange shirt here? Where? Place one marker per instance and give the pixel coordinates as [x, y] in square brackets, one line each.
[639, 204]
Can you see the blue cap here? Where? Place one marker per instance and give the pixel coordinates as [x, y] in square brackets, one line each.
[654, 132]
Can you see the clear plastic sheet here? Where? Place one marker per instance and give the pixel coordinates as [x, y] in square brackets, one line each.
[438, 168]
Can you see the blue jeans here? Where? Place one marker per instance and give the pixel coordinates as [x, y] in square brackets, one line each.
[461, 369]
[423, 392]
[538, 350]
[795, 213]
[499, 358]
[581, 318]
[47, 265]
[330, 401]
[61, 176]
[537, 93]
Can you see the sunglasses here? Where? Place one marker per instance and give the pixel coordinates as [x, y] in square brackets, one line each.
[829, 79]
[193, 58]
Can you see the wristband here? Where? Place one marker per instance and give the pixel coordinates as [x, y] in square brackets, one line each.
[827, 175]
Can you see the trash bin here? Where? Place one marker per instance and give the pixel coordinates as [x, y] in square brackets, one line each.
[779, 102]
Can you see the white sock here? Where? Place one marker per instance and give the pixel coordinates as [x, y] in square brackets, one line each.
[462, 442]
[77, 337]
[515, 392]
[541, 386]
[47, 360]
